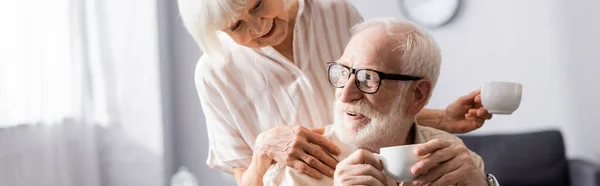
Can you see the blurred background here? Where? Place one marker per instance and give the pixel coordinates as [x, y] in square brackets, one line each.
[101, 92]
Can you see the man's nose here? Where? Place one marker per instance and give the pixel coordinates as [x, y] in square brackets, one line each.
[350, 92]
[257, 25]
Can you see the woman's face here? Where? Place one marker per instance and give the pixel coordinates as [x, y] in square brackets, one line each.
[262, 23]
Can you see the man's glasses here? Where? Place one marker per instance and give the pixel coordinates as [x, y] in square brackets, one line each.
[368, 81]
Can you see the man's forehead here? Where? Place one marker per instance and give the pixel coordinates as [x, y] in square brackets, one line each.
[369, 53]
[358, 54]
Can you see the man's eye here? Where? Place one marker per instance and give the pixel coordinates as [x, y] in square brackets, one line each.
[344, 73]
[370, 83]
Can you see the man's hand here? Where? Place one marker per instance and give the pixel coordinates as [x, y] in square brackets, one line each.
[466, 114]
[448, 163]
[360, 168]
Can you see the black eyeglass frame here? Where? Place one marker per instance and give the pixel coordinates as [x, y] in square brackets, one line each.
[382, 76]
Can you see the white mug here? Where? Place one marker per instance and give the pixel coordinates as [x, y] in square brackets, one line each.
[398, 160]
[500, 97]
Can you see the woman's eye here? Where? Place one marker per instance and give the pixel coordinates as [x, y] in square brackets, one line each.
[236, 26]
[258, 5]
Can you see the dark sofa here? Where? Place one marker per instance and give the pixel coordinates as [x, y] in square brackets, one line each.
[534, 158]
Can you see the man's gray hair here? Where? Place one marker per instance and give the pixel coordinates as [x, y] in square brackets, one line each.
[417, 52]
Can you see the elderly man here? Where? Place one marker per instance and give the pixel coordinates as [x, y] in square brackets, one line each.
[384, 78]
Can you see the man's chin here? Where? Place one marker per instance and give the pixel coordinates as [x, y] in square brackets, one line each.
[357, 124]
[354, 127]
[354, 131]
[356, 135]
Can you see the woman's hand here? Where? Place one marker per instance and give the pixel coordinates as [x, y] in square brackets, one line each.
[465, 114]
[303, 149]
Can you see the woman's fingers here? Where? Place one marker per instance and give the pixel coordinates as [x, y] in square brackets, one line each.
[320, 154]
[469, 98]
[306, 169]
[317, 164]
[483, 113]
[296, 158]
[303, 149]
[477, 102]
[322, 141]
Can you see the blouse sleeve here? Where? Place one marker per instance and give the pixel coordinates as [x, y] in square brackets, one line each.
[227, 148]
[355, 16]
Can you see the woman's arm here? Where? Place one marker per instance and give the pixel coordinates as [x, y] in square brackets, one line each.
[253, 175]
[463, 115]
[432, 118]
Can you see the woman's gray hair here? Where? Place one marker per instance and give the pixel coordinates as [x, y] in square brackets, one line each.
[416, 50]
[204, 20]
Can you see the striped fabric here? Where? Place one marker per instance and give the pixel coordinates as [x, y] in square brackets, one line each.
[258, 89]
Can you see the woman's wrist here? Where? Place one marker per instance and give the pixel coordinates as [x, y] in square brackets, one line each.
[257, 169]
[261, 160]
[433, 118]
[261, 154]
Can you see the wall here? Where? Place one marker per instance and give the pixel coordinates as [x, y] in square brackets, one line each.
[107, 127]
[131, 153]
[547, 45]
[185, 130]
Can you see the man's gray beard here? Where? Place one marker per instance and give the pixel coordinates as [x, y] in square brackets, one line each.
[383, 129]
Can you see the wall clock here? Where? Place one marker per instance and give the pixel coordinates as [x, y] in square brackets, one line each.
[430, 13]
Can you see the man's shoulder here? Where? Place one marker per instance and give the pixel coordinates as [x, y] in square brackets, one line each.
[429, 133]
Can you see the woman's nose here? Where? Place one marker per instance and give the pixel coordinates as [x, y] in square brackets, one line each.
[257, 25]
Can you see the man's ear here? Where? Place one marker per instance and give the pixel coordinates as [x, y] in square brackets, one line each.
[421, 90]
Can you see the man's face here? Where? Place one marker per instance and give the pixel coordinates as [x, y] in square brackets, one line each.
[368, 119]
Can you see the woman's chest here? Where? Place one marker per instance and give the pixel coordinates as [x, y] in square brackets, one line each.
[277, 96]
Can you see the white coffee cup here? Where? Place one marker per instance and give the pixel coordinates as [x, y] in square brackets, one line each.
[500, 97]
[398, 160]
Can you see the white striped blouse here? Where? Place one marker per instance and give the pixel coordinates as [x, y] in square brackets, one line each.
[258, 89]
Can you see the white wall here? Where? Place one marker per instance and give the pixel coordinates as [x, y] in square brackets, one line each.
[547, 45]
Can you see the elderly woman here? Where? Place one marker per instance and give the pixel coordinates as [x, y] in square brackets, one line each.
[263, 85]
